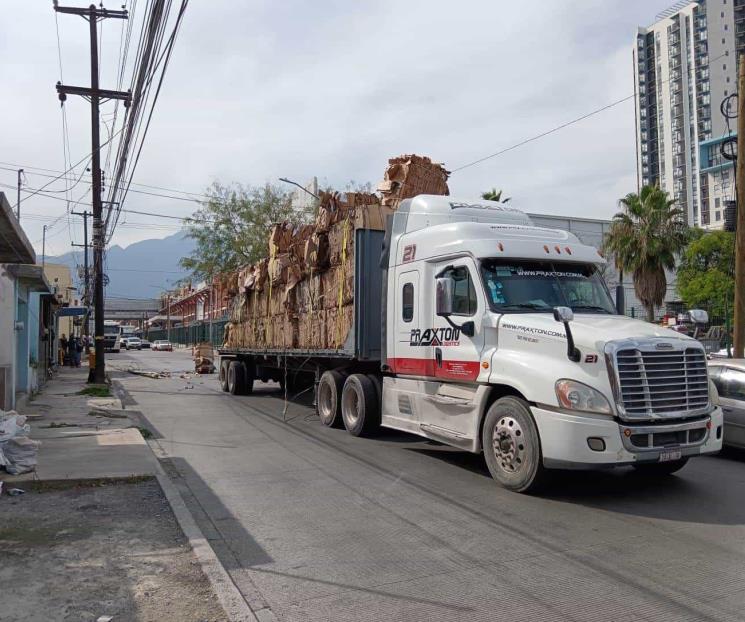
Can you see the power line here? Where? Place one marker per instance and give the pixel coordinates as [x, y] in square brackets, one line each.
[560, 127]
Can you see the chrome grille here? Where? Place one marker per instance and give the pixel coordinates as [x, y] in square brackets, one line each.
[662, 382]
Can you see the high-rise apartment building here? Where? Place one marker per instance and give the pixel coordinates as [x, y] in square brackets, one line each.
[685, 64]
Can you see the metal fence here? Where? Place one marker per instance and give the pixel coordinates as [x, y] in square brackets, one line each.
[194, 333]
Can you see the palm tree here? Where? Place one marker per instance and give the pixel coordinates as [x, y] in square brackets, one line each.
[644, 239]
[494, 195]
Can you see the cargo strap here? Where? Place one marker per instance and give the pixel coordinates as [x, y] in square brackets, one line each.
[341, 281]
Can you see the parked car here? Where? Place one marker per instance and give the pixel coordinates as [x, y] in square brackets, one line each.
[146, 345]
[132, 343]
[161, 344]
[728, 376]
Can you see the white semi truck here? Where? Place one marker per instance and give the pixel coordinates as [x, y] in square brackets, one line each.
[474, 328]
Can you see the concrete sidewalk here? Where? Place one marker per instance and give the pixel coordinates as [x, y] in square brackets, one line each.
[83, 437]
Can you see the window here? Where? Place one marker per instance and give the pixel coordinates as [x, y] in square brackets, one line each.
[727, 79]
[718, 215]
[529, 286]
[726, 27]
[407, 302]
[716, 202]
[733, 384]
[464, 294]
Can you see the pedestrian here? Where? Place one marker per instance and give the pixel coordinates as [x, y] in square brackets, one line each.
[78, 351]
[62, 349]
[71, 351]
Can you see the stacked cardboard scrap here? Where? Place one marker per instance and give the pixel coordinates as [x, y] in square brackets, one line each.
[301, 296]
[410, 175]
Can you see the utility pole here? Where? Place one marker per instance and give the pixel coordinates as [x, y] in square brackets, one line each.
[18, 204]
[86, 273]
[95, 94]
[739, 340]
[43, 246]
[168, 319]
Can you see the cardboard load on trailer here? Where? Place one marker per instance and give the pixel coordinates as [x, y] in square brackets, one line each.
[301, 296]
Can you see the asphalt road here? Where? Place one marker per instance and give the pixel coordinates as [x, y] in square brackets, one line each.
[314, 524]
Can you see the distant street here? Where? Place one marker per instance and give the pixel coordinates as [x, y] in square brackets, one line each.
[315, 524]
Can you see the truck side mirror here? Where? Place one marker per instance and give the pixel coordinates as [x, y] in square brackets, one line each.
[566, 315]
[444, 290]
[699, 316]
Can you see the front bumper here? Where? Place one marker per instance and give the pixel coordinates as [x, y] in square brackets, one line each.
[564, 439]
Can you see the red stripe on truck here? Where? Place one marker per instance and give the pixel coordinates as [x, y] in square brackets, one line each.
[453, 370]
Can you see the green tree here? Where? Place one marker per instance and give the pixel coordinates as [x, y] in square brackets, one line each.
[231, 228]
[494, 195]
[705, 277]
[645, 239]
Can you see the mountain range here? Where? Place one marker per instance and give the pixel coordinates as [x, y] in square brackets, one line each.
[141, 270]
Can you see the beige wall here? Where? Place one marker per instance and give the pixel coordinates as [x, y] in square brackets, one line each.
[60, 279]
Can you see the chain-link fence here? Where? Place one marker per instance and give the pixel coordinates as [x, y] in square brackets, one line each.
[192, 334]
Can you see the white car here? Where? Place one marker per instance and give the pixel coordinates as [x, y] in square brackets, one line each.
[162, 345]
[132, 343]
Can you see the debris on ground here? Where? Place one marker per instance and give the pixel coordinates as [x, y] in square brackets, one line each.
[204, 356]
[17, 451]
[149, 374]
[15, 492]
[92, 552]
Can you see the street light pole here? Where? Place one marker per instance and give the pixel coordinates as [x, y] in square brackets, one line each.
[294, 183]
[18, 204]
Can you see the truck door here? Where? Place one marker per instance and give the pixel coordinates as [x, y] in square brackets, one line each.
[409, 359]
[457, 357]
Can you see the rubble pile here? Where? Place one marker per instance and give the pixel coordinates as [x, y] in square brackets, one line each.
[301, 295]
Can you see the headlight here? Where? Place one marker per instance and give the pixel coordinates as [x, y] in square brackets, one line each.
[574, 395]
[713, 394]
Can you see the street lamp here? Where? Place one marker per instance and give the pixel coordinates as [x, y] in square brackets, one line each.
[294, 183]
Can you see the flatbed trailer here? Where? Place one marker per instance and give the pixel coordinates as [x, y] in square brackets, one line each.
[296, 367]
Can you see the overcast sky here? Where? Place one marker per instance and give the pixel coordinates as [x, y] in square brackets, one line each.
[262, 89]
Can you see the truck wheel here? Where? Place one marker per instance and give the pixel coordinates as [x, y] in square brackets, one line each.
[224, 364]
[512, 446]
[328, 398]
[655, 469]
[237, 378]
[378, 384]
[250, 377]
[359, 405]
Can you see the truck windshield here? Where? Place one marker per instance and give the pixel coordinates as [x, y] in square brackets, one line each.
[517, 286]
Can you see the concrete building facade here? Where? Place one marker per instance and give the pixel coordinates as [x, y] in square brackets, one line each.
[685, 64]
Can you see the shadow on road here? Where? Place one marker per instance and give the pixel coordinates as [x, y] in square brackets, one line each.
[233, 545]
[702, 492]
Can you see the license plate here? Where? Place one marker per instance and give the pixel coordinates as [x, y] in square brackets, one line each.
[670, 454]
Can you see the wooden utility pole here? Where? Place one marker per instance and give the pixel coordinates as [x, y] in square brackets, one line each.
[95, 94]
[739, 340]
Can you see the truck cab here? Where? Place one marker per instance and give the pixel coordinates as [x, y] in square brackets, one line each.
[502, 337]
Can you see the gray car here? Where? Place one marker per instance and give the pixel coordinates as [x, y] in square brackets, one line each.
[728, 376]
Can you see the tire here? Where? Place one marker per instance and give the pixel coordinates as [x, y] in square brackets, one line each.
[328, 398]
[515, 461]
[657, 469]
[237, 378]
[223, 376]
[360, 408]
[378, 384]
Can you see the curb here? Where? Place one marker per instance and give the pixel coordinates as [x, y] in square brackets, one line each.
[227, 592]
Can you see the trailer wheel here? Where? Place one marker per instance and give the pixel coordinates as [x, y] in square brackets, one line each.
[512, 446]
[328, 398]
[224, 364]
[237, 378]
[378, 384]
[359, 405]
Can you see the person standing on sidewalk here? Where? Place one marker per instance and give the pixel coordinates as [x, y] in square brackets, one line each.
[62, 349]
[76, 348]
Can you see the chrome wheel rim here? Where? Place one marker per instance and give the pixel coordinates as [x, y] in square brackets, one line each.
[325, 409]
[350, 408]
[509, 444]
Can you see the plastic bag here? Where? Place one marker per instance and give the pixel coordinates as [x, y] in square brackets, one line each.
[12, 424]
[20, 454]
